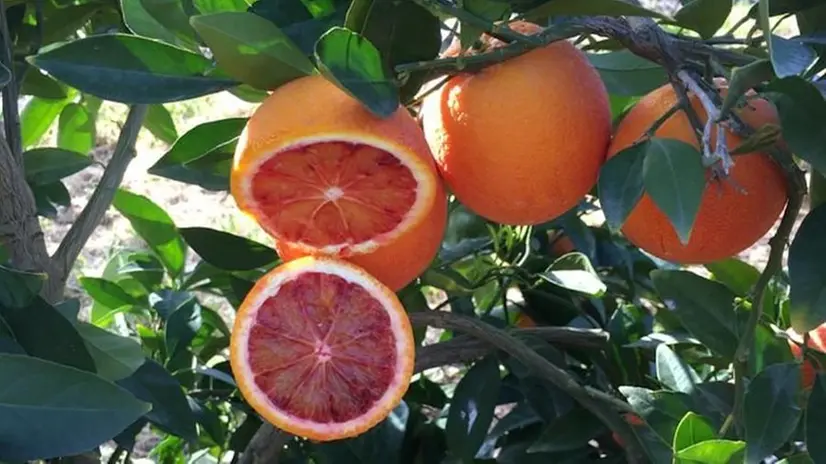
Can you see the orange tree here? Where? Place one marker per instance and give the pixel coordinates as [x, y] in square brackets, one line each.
[601, 166]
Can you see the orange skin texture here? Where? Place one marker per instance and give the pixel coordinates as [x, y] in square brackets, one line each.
[817, 342]
[521, 142]
[728, 221]
[311, 107]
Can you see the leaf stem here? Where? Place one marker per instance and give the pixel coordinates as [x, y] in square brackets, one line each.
[11, 114]
[71, 245]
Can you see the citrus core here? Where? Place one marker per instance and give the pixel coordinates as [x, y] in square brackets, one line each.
[321, 349]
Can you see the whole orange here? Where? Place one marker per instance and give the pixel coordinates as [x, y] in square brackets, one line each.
[734, 213]
[817, 342]
[522, 141]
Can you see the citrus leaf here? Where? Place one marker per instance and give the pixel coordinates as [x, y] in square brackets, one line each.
[788, 56]
[47, 165]
[743, 79]
[252, 49]
[48, 196]
[76, 129]
[471, 409]
[802, 112]
[589, 8]
[770, 409]
[217, 6]
[673, 372]
[379, 444]
[195, 155]
[42, 403]
[170, 15]
[816, 419]
[712, 452]
[807, 273]
[626, 74]
[575, 272]
[19, 288]
[674, 179]
[227, 251]
[115, 356]
[160, 123]
[704, 307]
[142, 23]
[354, 65]
[170, 408]
[130, 69]
[208, 419]
[37, 117]
[181, 327]
[662, 411]
[739, 276]
[298, 23]
[107, 293]
[44, 333]
[490, 10]
[692, 429]
[38, 84]
[704, 16]
[797, 458]
[568, 432]
[620, 184]
[155, 227]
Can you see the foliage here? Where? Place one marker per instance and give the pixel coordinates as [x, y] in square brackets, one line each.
[699, 357]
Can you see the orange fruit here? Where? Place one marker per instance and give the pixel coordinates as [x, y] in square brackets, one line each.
[561, 244]
[523, 321]
[728, 221]
[322, 349]
[521, 142]
[324, 176]
[817, 342]
[632, 419]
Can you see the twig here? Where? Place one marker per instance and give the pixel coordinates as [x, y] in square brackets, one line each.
[11, 115]
[719, 152]
[101, 199]
[265, 446]
[604, 406]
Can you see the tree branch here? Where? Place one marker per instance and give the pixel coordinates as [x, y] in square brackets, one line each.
[265, 446]
[11, 116]
[88, 220]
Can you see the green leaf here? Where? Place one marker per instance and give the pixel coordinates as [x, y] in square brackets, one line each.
[816, 419]
[227, 251]
[42, 404]
[626, 74]
[217, 6]
[802, 112]
[472, 406]
[354, 65]
[107, 293]
[739, 276]
[19, 288]
[155, 227]
[674, 179]
[380, 444]
[130, 69]
[568, 432]
[37, 117]
[44, 333]
[115, 356]
[193, 157]
[575, 272]
[181, 326]
[47, 165]
[426, 392]
[589, 8]
[298, 23]
[490, 10]
[807, 273]
[673, 372]
[76, 129]
[743, 79]
[692, 429]
[48, 196]
[139, 21]
[771, 412]
[704, 16]
[789, 57]
[170, 408]
[661, 410]
[620, 184]
[252, 49]
[160, 123]
[391, 25]
[704, 307]
[817, 189]
[712, 452]
[170, 15]
[39, 84]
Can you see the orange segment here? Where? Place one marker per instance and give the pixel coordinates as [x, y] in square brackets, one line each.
[321, 349]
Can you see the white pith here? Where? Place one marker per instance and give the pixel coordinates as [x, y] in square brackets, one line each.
[424, 192]
[397, 323]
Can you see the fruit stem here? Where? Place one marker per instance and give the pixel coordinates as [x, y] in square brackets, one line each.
[777, 246]
[606, 407]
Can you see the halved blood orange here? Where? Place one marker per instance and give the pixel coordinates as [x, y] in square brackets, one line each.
[324, 176]
[321, 349]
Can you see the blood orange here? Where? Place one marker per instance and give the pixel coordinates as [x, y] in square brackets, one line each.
[321, 349]
[324, 176]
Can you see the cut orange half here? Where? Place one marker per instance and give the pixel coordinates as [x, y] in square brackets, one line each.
[321, 349]
[324, 176]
